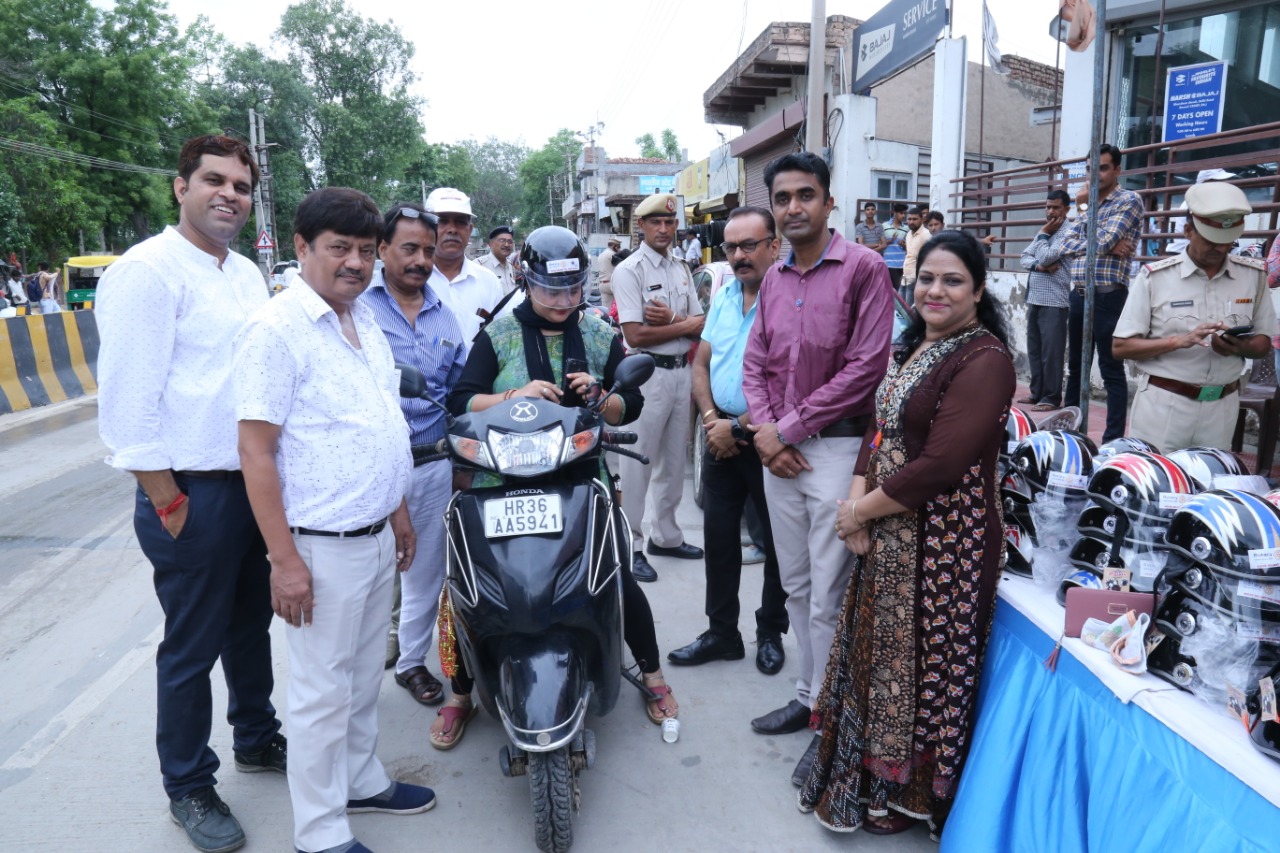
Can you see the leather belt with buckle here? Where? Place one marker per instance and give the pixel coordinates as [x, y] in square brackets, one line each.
[669, 362]
[1200, 393]
[1099, 288]
[847, 428]
[371, 530]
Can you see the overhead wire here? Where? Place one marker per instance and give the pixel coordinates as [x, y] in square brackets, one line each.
[36, 150]
[47, 97]
[620, 101]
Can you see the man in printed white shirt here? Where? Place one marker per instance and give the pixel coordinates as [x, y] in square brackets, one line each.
[325, 451]
[168, 313]
[471, 291]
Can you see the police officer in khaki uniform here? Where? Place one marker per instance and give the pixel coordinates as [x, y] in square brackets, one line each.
[660, 314]
[1191, 321]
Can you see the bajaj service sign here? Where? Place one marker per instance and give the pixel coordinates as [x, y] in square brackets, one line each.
[1193, 100]
[894, 37]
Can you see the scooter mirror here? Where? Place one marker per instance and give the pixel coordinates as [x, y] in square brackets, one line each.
[412, 382]
[633, 371]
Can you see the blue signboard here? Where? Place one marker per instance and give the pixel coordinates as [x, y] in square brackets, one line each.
[900, 33]
[1194, 96]
[650, 184]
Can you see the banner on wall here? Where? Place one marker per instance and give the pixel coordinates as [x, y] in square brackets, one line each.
[1194, 97]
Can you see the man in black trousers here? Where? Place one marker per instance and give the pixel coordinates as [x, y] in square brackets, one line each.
[732, 471]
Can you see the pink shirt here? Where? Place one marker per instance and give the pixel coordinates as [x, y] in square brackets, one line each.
[820, 343]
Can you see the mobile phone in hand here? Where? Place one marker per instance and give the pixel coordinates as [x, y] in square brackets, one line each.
[1239, 331]
[572, 365]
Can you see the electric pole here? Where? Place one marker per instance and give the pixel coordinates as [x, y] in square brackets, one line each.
[264, 209]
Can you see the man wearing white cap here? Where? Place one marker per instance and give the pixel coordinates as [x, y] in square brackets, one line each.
[1191, 321]
[1176, 223]
[470, 290]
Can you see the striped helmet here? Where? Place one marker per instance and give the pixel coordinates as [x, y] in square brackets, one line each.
[1056, 463]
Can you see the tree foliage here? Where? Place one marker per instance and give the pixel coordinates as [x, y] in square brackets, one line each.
[496, 197]
[669, 149]
[548, 163]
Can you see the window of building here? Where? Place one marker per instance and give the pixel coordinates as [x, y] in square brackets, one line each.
[1247, 39]
[892, 185]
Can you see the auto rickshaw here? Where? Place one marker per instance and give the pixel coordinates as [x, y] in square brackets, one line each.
[80, 278]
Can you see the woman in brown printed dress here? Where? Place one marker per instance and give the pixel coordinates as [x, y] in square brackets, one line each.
[924, 512]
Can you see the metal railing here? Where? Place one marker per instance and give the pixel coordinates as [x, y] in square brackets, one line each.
[1010, 203]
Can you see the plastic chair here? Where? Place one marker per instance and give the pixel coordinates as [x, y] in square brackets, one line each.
[1259, 396]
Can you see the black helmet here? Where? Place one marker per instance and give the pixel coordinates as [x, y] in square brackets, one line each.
[1133, 483]
[1202, 464]
[1086, 578]
[1018, 546]
[1056, 463]
[1017, 427]
[554, 257]
[1233, 533]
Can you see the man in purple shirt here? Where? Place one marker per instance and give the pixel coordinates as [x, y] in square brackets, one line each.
[817, 351]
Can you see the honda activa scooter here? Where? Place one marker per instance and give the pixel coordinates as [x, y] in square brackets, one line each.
[533, 573]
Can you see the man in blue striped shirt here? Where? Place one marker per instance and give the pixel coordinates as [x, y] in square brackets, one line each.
[423, 332]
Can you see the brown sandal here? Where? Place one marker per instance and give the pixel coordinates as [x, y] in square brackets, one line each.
[424, 687]
[455, 718]
[658, 705]
[891, 824]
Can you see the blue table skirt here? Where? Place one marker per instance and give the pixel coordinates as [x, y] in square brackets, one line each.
[1058, 763]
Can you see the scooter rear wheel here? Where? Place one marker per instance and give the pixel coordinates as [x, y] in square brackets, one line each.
[551, 782]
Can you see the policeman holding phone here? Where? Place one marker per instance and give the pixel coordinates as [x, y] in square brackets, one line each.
[1191, 322]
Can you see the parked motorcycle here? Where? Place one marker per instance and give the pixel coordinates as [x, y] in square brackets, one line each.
[533, 573]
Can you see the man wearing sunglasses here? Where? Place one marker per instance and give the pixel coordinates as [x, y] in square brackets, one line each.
[422, 332]
[471, 291]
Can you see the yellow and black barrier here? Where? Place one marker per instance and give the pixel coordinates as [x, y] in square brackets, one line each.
[47, 358]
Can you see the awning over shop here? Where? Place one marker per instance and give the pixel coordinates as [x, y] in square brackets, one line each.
[719, 204]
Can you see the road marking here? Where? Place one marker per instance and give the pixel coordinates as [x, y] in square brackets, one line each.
[65, 722]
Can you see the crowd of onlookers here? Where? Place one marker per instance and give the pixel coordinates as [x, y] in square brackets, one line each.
[39, 292]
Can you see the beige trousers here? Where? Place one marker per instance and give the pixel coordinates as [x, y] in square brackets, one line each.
[663, 432]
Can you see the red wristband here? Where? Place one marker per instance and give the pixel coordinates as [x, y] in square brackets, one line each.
[165, 512]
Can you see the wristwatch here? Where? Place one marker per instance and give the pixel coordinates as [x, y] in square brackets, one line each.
[783, 439]
[736, 430]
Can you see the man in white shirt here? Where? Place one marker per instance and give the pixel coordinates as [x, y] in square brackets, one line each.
[693, 251]
[501, 244]
[326, 458]
[471, 291]
[168, 313]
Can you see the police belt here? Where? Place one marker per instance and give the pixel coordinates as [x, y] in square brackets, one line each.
[1200, 393]
[669, 362]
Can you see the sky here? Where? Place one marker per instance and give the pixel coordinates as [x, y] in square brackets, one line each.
[519, 71]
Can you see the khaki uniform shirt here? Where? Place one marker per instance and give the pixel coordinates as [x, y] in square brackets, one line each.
[646, 275]
[1172, 296]
[504, 272]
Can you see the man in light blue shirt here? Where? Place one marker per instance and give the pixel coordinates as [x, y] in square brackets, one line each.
[424, 333]
[731, 468]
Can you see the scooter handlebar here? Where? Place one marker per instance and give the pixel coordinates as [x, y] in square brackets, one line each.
[644, 460]
[424, 453]
[620, 437]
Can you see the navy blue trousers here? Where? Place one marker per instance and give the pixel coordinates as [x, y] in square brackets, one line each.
[213, 583]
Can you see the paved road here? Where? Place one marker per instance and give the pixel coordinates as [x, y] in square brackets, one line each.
[78, 629]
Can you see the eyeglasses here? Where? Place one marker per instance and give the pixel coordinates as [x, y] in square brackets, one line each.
[747, 246]
[413, 213]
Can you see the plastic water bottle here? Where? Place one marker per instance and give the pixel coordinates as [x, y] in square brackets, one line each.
[671, 730]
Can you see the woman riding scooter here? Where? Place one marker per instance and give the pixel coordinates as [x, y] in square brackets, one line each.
[550, 349]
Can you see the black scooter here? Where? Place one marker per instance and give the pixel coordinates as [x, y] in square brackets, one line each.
[533, 573]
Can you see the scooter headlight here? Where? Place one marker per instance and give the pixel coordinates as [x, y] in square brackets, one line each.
[527, 454]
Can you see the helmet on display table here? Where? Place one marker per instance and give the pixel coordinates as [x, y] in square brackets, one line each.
[1017, 427]
[1133, 483]
[1233, 533]
[1203, 464]
[1056, 464]
[1087, 578]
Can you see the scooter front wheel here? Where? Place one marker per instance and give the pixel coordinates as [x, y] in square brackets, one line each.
[552, 782]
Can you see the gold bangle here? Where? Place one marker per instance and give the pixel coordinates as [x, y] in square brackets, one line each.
[708, 412]
[853, 510]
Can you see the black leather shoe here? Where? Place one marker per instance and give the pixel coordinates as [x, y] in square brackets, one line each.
[683, 551]
[708, 647]
[769, 653]
[792, 717]
[641, 570]
[801, 773]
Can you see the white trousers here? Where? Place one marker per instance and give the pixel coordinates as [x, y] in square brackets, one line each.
[335, 672]
[663, 433]
[430, 487]
[814, 564]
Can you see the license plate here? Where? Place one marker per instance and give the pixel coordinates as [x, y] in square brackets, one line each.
[522, 515]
